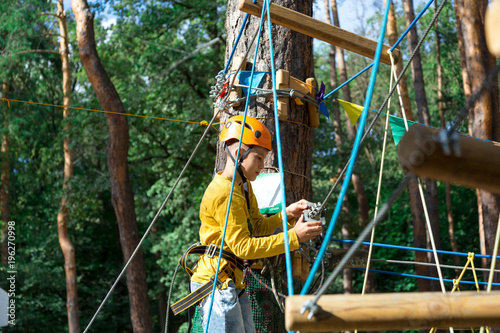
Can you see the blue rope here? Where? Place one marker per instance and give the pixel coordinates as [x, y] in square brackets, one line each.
[422, 277]
[234, 177]
[346, 82]
[412, 24]
[288, 260]
[403, 35]
[354, 154]
[410, 248]
[236, 43]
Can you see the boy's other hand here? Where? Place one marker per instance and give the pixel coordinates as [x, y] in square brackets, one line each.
[296, 209]
[307, 230]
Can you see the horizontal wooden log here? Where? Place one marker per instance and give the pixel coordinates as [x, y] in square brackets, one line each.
[395, 311]
[476, 165]
[312, 27]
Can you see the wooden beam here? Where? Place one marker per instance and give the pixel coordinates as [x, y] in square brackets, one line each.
[395, 311]
[312, 108]
[309, 26]
[283, 82]
[492, 27]
[475, 165]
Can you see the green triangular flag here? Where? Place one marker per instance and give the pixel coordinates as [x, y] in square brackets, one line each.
[398, 127]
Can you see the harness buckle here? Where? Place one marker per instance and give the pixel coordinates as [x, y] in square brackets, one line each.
[211, 250]
[218, 283]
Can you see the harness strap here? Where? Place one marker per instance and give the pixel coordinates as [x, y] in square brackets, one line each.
[199, 294]
[210, 251]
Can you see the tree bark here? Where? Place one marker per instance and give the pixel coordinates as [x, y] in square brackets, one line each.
[431, 192]
[337, 122]
[485, 123]
[5, 182]
[62, 217]
[292, 52]
[121, 191]
[449, 212]
[392, 32]
[363, 214]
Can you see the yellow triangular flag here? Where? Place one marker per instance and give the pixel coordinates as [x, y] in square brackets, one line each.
[353, 110]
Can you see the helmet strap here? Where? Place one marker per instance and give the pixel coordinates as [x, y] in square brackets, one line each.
[240, 171]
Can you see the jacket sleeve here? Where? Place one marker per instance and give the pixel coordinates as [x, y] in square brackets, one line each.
[238, 238]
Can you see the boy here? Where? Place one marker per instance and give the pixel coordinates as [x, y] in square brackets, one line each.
[248, 234]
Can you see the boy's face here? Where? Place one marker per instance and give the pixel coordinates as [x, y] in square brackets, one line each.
[253, 164]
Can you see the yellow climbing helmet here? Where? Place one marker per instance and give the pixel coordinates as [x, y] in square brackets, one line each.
[255, 133]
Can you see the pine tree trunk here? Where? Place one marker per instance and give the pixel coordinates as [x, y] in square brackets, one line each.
[121, 191]
[449, 212]
[292, 52]
[485, 123]
[392, 32]
[416, 208]
[5, 181]
[363, 214]
[334, 83]
[62, 217]
[431, 192]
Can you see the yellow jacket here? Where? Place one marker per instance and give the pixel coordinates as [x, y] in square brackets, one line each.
[243, 229]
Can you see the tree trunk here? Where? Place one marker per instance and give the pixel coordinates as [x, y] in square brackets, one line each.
[293, 52]
[449, 212]
[392, 32]
[363, 214]
[485, 123]
[5, 181]
[431, 192]
[419, 234]
[337, 122]
[62, 217]
[121, 191]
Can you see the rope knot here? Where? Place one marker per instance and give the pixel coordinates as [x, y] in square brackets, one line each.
[203, 123]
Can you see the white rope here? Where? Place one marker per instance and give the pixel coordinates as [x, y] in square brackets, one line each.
[379, 187]
[493, 262]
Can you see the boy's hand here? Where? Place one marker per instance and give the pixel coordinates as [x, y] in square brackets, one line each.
[307, 230]
[296, 209]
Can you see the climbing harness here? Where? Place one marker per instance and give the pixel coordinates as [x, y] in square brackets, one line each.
[196, 296]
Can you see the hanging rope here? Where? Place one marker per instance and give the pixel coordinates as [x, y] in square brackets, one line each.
[234, 177]
[354, 154]
[379, 186]
[148, 230]
[403, 71]
[288, 259]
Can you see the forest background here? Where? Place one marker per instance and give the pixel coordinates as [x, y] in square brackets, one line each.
[162, 57]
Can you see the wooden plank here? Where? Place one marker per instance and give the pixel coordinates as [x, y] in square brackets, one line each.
[312, 108]
[317, 29]
[283, 82]
[477, 165]
[492, 27]
[395, 311]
